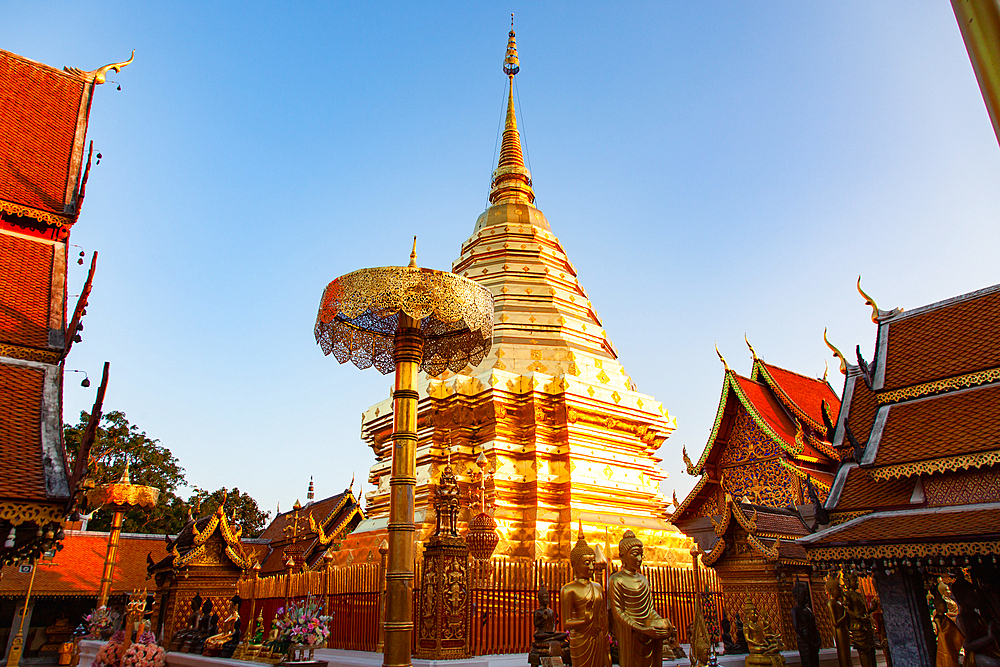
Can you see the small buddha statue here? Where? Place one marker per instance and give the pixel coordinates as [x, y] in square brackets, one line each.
[193, 619]
[764, 643]
[639, 629]
[228, 628]
[584, 612]
[208, 626]
[546, 641]
[841, 622]
[804, 622]
[862, 631]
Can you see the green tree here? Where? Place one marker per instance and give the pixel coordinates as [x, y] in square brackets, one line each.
[117, 443]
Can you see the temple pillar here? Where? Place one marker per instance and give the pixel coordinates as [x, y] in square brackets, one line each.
[907, 621]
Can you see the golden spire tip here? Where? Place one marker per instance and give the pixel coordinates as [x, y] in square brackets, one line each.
[413, 253]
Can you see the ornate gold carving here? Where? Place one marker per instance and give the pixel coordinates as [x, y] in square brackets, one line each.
[357, 317]
[26, 512]
[55, 219]
[930, 549]
[836, 353]
[938, 386]
[29, 354]
[947, 464]
[717, 549]
[691, 470]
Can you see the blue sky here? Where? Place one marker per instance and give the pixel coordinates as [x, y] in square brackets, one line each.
[710, 169]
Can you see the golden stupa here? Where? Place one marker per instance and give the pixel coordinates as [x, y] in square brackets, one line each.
[566, 434]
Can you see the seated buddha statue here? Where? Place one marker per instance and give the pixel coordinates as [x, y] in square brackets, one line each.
[639, 629]
[546, 642]
[228, 628]
[764, 643]
[190, 627]
[206, 628]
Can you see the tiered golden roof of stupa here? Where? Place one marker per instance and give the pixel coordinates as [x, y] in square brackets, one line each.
[560, 421]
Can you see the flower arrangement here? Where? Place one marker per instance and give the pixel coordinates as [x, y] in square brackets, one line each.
[145, 653]
[100, 621]
[110, 654]
[303, 623]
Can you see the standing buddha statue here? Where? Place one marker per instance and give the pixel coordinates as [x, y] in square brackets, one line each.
[584, 612]
[639, 629]
[862, 631]
[806, 631]
[841, 622]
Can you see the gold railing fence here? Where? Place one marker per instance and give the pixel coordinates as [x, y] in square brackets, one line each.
[502, 599]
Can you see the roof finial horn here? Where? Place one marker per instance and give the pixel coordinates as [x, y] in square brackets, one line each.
[752, 351]
[869, 302]
[836, 353]
[721, 358]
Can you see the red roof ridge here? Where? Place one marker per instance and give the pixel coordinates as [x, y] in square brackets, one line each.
[36, 63]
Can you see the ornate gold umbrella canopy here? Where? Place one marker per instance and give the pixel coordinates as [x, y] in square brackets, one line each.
[119, 497]
[406, 319]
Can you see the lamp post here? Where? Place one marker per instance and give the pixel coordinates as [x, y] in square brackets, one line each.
[119, 497]
[404, 319]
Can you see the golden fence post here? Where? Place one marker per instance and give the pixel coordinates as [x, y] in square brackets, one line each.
[14, 657]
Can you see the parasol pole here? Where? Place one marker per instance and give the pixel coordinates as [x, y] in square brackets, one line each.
[407, 353]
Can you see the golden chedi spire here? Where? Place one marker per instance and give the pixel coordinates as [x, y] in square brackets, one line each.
[511, 180]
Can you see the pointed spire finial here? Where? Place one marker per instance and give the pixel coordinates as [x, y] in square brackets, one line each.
[413, 253]
[511, 66]
[310, 494]
[511, 180]
[126, 477]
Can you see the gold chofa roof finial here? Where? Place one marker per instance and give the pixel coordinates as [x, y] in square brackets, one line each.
[836, 353]
[100, 75]
[869, 302]
[721, 358]
[511, 182]
[752, 351]
[413, 253]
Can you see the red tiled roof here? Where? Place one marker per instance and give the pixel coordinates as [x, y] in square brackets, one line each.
[308, 540]
[937, 525]
[21, 473]
[944, 341]
[807, 394]
[861, 492]
[779, 523]
[25, 285]
[77, 569]
[768, 408]
[40, 111]
[952, 424]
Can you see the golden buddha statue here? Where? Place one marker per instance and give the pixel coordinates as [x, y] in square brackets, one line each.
[949, 637]
[226, 628]
[841, 622]
[639, 629]
[862, 631]
[764, 643]
[584, 614]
